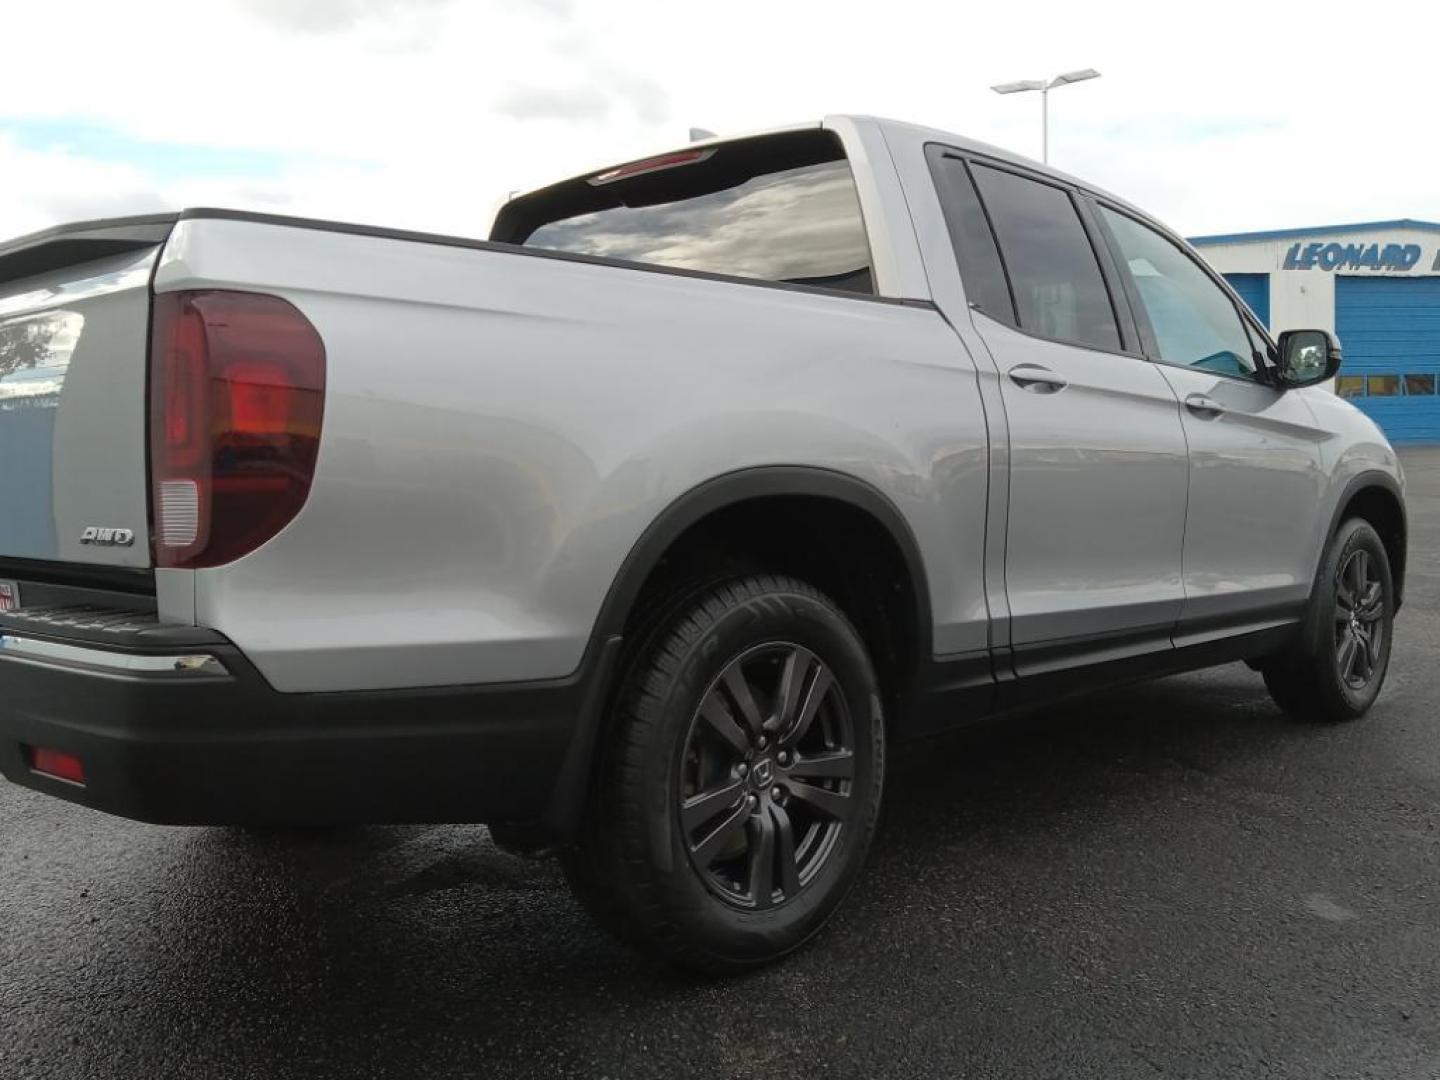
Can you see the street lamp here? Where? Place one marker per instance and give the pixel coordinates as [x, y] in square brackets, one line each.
[1045, 88]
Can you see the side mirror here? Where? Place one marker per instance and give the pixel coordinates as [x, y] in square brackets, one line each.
[1308, 357]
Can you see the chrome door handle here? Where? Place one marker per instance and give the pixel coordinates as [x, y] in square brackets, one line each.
[1036, 379]
[1204, 407]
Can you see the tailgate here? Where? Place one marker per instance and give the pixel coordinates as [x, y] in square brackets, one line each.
[74, 327]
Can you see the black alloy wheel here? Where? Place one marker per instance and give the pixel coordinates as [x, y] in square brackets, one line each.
[1335, 667]
[740, 777]
[769, 762]
[1359, 620]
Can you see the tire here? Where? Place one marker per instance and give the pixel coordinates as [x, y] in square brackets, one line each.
[1335, 671]
[728, 818]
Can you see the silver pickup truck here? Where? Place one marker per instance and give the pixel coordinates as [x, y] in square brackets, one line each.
[639, 529]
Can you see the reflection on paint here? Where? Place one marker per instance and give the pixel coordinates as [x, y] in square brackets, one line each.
[35, 353]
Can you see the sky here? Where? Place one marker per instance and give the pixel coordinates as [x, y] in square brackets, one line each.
[423, 114]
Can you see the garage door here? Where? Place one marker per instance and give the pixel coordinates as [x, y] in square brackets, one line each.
[1254, 289]
[1389, 328]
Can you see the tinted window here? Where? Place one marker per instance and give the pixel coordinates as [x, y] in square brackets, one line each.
[779, 208]
[1196, 324]
[1419, 384]
[1382, 385]
[1053, 272]
[971, 238]
[1350, 386]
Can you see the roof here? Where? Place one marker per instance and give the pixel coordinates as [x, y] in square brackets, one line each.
[1315, 230]
[912, 130]
[975, 146]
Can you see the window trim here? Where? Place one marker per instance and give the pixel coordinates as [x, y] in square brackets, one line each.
[1124, 327]
[1265, 361]
[942, 180]
[1061, 341]
[1115, 281]
[702, 275]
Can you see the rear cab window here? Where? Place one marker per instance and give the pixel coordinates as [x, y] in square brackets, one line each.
[1054, 274]
[776, 208]
[1025, 256]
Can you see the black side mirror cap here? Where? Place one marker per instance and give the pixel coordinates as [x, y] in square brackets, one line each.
[1307, 357]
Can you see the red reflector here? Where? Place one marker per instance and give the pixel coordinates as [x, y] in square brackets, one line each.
[55, 763]
[649, 165]
[237, 393]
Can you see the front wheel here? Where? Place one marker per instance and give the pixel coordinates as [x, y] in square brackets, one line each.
[1336, 670]
[740, 785]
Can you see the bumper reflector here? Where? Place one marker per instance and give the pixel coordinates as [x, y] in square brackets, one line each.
[56, 764]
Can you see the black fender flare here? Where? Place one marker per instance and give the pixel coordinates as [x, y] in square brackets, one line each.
[743, 485]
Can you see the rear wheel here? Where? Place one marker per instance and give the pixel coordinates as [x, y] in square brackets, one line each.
[1337, 668]
[741, 781]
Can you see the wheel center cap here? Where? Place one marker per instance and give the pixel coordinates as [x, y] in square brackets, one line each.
[762, 773]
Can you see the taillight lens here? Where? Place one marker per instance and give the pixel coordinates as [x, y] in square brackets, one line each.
[237, 391]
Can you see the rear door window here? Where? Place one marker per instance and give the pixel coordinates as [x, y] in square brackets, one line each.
[776, 208]
[1053, 270]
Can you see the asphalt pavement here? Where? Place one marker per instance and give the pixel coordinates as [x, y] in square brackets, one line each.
[1167, 880]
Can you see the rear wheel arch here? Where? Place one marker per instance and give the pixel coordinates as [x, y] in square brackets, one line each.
[703, 511]
[703, 523]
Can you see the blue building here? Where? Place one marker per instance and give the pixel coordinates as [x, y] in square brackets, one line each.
[1376, 285]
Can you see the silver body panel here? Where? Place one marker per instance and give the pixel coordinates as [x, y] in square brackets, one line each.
[73, 348]
[1104, 449]
[500, 430]
[1262, 483]
[1257, 485]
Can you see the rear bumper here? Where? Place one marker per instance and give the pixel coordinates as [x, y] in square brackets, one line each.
[211, 743]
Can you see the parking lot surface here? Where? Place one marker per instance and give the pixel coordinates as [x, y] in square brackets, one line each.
[1167, 880]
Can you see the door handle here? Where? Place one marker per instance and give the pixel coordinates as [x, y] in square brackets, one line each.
[1203, 407]
[1036, 379]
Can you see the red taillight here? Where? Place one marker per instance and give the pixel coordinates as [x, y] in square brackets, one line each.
[237, 391]
[55, 763]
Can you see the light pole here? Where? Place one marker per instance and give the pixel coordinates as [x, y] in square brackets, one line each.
[1045, 88]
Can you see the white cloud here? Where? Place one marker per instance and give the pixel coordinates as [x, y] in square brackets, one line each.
[423, 113]
[43, 188]
[324, 16]
[545, 103]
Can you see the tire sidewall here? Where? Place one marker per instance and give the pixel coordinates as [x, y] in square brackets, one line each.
[1352, 536]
